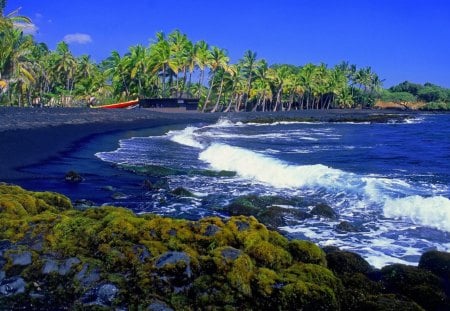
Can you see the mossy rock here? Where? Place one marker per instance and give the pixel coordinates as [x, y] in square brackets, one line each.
[419, 285]
[436, 262]
[212, 263]
[307, 252]
[387, 302]
[346, 262]
[307, 296]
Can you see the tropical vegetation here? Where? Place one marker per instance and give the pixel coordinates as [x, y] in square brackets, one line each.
[174, 66]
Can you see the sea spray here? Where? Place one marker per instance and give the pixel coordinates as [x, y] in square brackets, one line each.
[432, 212]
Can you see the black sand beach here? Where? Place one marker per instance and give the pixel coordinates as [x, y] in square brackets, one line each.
[29, 136]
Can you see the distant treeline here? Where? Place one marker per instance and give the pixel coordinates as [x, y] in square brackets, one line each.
[434, 96]
[173, 66]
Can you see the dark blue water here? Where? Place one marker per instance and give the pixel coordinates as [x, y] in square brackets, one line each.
[392, 180]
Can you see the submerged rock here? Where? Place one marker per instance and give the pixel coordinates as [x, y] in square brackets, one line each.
[73, 177]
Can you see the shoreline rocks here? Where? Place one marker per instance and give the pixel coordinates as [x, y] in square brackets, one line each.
[110, 258]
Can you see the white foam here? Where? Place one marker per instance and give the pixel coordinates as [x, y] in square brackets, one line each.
[186, 137]
[259, 167]
[432, 212]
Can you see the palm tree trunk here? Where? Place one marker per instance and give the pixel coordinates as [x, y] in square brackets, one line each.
[218, 96]
[209, 92]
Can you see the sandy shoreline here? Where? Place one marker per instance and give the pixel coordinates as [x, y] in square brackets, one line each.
[30, 136]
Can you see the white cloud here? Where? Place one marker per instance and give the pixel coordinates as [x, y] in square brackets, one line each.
[29, 29]
[80, 38]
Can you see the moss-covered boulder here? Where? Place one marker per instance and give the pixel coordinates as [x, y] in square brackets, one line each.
[108, 257]
[436, 262]
[420, 285]
[342, 262]
[53, 256]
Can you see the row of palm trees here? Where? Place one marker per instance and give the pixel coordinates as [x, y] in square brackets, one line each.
[172, 66]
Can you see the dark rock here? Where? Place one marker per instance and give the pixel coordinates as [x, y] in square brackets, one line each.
[73, 177]
[50, 266]
[242, 225]
[67, 265]
[230, 253]
[330, 249]
[182, 192]
[141, 252]
[12, 286]
[346, 262]
[436, 262]
[324, 210]
[4, 246]
[161, 184]
[88, 276]
[107, 293]
[21, 259]
[2, 275]
[174, 259]
[211, 230]
[158, 305]
[420, 285]
[2, 262]
[276, 216]
[147, 185]
[386, 303]
[83, 204]
[38, 246]
[345, 226]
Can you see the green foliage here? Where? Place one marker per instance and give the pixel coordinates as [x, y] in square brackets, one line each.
[397, 97]
[436, 106]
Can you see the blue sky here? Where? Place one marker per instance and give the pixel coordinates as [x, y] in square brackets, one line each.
[400, 39]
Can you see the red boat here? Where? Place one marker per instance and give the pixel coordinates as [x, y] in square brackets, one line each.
[128, 104]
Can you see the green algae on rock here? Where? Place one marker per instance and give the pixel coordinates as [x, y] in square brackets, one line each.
[53, 256]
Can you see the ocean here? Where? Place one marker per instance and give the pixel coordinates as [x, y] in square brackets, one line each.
[391, 181]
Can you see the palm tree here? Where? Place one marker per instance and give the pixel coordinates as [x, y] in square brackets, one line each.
[217, 59]
[248, 68]
[160, 60]
[201, 57]
[179, 45]
[65, 65]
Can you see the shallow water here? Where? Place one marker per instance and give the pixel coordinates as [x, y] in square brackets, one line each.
[392, 180]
